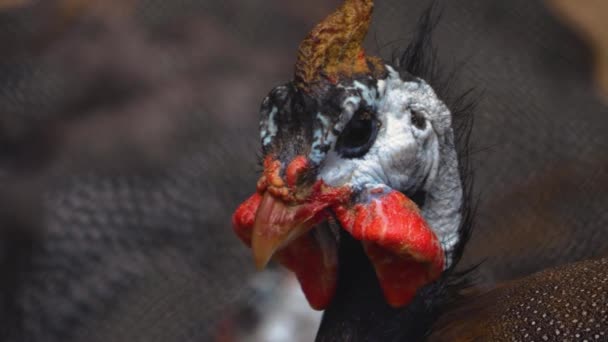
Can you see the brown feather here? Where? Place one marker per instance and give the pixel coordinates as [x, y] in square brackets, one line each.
[564, 303]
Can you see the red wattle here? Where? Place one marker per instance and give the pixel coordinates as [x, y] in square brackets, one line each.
[314, 260]
[244, 218]
[404, 251]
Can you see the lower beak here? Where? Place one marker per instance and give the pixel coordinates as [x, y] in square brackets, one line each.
[277, 224]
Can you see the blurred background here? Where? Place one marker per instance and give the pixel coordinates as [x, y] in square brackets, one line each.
[128, 135]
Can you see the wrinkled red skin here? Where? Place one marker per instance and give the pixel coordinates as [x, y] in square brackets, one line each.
[316, 267]
[294, 170]
[404, 251]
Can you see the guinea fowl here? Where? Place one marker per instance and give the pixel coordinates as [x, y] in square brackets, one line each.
[364, 197]
[127, 245]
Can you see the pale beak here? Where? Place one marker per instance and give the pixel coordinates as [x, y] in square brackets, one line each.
[277, 224]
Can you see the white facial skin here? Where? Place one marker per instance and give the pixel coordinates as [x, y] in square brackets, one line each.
[405, 157]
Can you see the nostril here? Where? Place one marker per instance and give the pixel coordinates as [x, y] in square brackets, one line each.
[418, 120]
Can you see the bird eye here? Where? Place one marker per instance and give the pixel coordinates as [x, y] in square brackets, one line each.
[358, 135]
[418, 120]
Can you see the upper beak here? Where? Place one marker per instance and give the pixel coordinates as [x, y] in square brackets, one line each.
[277, 220]
[277, 224]
[273, 218]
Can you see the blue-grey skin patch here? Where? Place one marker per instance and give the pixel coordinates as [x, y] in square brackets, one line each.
[268, 123]
[407, 158]
[322, 139]
[270, 128]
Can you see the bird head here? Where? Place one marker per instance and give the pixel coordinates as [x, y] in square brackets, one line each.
[352, 144]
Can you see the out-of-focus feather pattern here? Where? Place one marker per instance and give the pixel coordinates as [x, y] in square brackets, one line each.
[126, 181]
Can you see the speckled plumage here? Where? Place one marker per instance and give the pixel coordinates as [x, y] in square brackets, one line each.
[567, 303]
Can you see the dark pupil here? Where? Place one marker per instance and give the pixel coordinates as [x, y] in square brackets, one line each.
[358, 136]
[359, 132]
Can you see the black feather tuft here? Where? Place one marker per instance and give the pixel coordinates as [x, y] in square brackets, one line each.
[420, 57]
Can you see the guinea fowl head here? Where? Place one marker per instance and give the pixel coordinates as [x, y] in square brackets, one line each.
[361, 184]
